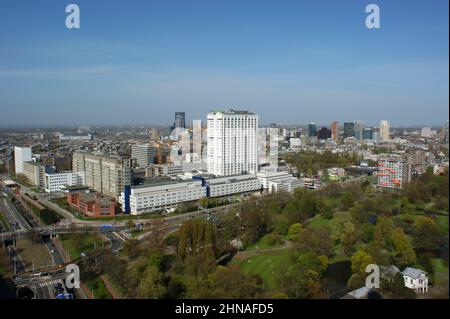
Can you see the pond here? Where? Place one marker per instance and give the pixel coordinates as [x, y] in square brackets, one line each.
[337, 276]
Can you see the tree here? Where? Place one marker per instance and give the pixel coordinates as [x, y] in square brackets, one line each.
[149, 286]
[293, 282]
[293, 231]
[359, 213]
[281, 224]
[360, 260]
[280, 295]
[427, 236]
[195, 237]
[356, 281]
[132, 248]
[348, 238]
[403, 250]
[204, 202]
[383, 231]
[347, 200]
[365, 232]
[324, 209]
[134, 274]
[228, 283]
[316, 240]
[310, 265]
[396, 288]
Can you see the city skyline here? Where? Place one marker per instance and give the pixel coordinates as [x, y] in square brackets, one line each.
[148, 60]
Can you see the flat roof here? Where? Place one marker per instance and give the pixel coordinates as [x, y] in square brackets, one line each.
[156, 182]
[233, 112]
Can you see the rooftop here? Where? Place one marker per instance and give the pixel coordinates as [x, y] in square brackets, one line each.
[233, 112]
[413, 272]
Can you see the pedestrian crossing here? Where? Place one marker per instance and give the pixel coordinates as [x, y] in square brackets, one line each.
[46, 283]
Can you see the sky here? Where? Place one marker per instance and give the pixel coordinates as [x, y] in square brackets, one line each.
[136, 62]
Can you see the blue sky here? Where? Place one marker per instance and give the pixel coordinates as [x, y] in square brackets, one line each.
[292, 62]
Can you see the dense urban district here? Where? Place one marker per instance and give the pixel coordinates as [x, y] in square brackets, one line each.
[226, 209]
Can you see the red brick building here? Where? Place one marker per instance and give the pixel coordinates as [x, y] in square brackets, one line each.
[93, 204]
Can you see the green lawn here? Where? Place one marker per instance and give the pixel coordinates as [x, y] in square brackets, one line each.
[3, 222]
[267, 266]
[264, 243]
[5, 267]
[442, 222]
[97, 286]
[333, 201]
[440, 271]
[338, 258]
[80, 243]
[318, 221]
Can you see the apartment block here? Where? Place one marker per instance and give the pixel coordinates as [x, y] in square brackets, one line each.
[106, 174]
[393, 174]
[21, 155]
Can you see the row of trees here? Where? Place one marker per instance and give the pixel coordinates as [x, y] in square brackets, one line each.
[311, 162]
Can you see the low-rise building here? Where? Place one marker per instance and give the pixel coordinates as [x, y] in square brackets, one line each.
[161, 170]
[57, 182]
[285, 185]
[76, 137]
[229, 185]
[416, 279]
[161, 194]
[336, 173]
[269, 176]
[35, 173]
[279, 181]
[92, 204]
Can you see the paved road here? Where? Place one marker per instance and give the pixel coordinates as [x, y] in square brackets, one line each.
[14, 218]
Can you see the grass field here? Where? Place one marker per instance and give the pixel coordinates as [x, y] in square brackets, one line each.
[4, 225]
[440, 271]
[4, 262]
[318, 221]
[81, 243]
[264, 243]
[442, 222]
[266, 265]
[31, 251]
[338, 258]
[97, 286]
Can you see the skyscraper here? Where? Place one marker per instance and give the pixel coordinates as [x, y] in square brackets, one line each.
[426, 132]
[335, 130]
[384, 131]
[446, 132]
[367, 133]
[358, 130]
[143, 154]
[312, 129]
[180, 120]
[21, 155]
[197, 139]
[324, 133]
[349, 129]
[232, 142]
